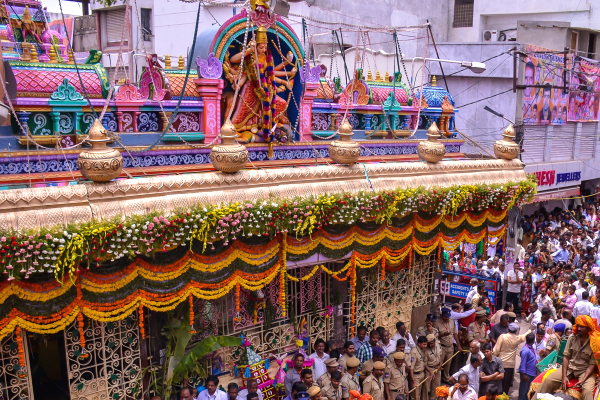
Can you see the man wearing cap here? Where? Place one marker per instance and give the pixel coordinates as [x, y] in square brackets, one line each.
[332, 365]
[303, 395]
[367, 366]
[297, 387]
[578, 362]
[333, 390]
[418, 365]
[373, 384]
[553, 342]
[428, 328]
[512, 317]
[433, 360]
[448, 335]
[506, 350]
[350, 380]
[314, 392]
[478, 329]
[349, 352]
[395, 380]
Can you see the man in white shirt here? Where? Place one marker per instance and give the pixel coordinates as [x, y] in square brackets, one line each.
[515, 283]
[386, 344]
[583, 307]
[251, 387]
[544, 301]
[212, 391]
[583, 288]
[319, 356]
[472, 291]
[403, 334]
[462, 390]
[539, 344]
[472, 371]
[544, 319]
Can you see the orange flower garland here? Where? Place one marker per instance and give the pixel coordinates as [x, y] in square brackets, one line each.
[81, 331]
[191, 300]
[353, 284]
[439, 255]
[283, 274]
[383, 268]
[237, 303]
[141, 321]
[20, 346]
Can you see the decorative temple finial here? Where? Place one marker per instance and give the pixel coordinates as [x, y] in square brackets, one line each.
[433, 81]
[387, 76]
[52, 55]
[168, 62]
[431, 150]
[34, 54]
[99, 163]
[26, 54]
[344, 150]
[506, 148]
[229, 156]
[369, 76]
[181, 64]
[71, 56]
[377, 77]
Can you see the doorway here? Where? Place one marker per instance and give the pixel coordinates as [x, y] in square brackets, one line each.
[48, 366]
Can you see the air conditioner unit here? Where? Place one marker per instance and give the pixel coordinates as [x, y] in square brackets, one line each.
[490, 36]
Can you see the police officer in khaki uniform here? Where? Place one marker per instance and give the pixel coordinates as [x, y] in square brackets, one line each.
[429, 327]
[395, 381]
[373, 384]
[367, 367]
[578, 361]
[333, 390]
[348, 353]
[350, 379]
[315, 393]
[448, 334]
[433, 360]
[478, 330]
[418, 366]
[553, 342]
[332, 365]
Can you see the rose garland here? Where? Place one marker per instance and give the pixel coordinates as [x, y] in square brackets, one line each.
[60, 250]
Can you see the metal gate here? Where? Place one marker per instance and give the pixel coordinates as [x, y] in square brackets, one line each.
[383, 303]
[112, 367]
[12, 386]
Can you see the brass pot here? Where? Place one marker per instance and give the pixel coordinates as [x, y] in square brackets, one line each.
[431, 150]
[229, 156]
[344, 150]
[99, 163]
[506, 148]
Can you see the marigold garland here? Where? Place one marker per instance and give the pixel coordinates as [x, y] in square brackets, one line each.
[64, 250]
[19, 335]
[382, 269]
[80, 324]
[141, 321]
[282, 301]
[191, 301]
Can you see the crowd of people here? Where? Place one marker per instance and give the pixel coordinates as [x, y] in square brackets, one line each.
[470, 351]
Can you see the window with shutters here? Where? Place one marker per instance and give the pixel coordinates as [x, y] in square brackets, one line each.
[112, 22]
[587, 141]
[534, 142]
[463, 13]
[563, 142]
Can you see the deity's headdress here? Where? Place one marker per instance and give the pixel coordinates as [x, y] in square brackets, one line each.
[261, 35]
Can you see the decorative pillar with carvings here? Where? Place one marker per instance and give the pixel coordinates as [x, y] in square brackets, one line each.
[23, 118]
[136, 114]
[77, 116]
[55, 122]
[106, 120]
[166, 117]
[119, 120]
[368, 118]
[310, 77]
[210, 86]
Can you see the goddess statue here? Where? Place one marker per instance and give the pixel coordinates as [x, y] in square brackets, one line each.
[258, 112]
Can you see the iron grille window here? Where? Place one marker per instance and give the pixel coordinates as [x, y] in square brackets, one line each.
[463, 13]
[146, 29]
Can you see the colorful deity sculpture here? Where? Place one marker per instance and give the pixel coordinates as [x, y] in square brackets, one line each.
[259, 114]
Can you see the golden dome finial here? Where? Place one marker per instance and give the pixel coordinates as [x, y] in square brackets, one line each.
[345, 127]
[509, 132]
[433, 130]
[433, 81]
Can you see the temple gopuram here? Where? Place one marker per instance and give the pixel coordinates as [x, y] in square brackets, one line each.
[244, 198]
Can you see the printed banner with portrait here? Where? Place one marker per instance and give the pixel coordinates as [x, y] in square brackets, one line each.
[584, 96]
[544, 105]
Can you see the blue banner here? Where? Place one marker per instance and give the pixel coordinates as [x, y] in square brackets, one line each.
[461, 290]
